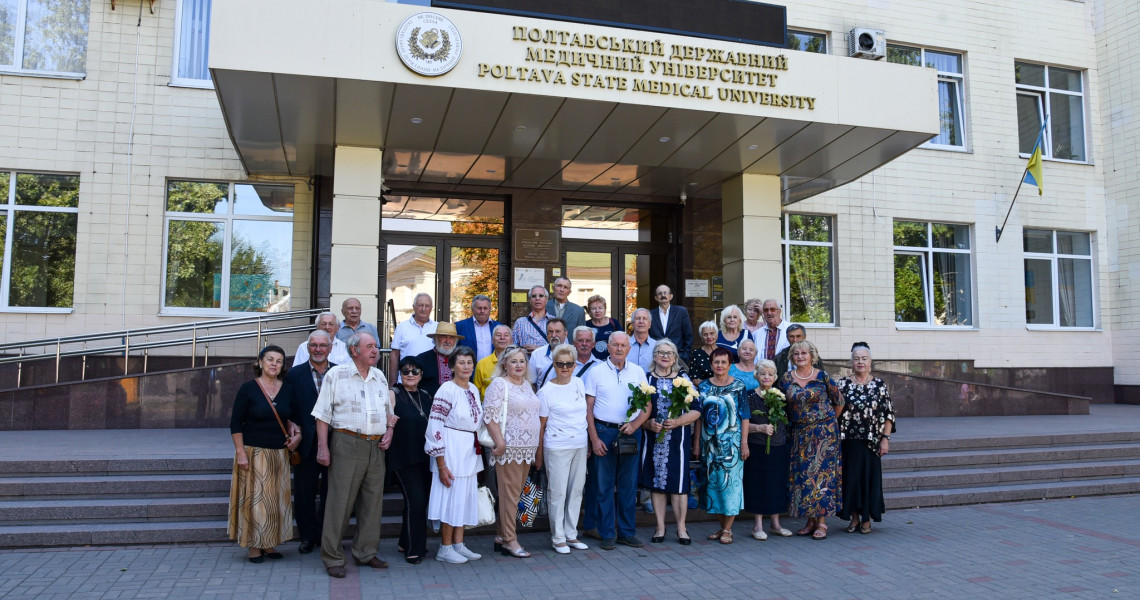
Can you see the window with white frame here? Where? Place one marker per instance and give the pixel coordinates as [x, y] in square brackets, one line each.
[1059, 93]
[951, 92]
[1058, 278]
[807, 41]
[933, 282]
[44, 37]
[229, 247]
[38, 218]
[192, 43]
[809, 275]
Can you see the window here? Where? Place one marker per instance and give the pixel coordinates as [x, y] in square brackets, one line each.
[191, 43]
[807, 41]
[809, 274]
[229, 247]
[38, 218]
[44, 37]
[932, 274]
[1058, 93]
[1058, 278]
[951, 98]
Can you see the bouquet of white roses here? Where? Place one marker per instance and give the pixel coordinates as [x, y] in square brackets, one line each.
[775, 402]
[680, 397]
[640, 400]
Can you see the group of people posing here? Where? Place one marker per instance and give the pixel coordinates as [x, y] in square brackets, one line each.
[604, 412]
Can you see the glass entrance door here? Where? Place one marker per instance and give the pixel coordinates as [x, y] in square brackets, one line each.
[621, 275]
[451, 272]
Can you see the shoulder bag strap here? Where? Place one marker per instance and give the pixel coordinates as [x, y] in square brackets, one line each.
[585, 367]
[541, 333]
[274, 409]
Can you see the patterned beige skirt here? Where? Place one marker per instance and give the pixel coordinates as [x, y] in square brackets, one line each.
[261, 508]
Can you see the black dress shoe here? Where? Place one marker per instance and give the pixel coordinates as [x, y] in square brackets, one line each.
[414, 560]
[257, 560]
[306, 547]
[657, 539]
[684, 541]
[273, 555]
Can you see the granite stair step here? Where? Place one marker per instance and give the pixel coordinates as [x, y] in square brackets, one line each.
[22, 512]
[1011, 492]
[185, 484]
[1014, 440]
[111, 466]
[899, 460]
[1015, 473]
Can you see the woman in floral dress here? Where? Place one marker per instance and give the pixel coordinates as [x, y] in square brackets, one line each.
[814, 407]
[867, 423]
[724, 415]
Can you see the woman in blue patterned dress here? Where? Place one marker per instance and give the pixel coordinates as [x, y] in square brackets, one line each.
[665, 464]
[724, 415]
[814, 408]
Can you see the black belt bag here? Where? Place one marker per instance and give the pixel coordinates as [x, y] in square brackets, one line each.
[626, 444]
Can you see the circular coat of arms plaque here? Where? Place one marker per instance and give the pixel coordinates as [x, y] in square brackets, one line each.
[429, 44]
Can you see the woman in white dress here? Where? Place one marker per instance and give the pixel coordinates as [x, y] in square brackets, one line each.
[515, 432]
[450, 442]
[562, 447]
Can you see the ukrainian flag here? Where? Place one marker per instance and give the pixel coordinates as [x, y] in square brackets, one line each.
[1033, 171]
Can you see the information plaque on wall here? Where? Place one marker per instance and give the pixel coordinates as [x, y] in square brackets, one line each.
[537, 245]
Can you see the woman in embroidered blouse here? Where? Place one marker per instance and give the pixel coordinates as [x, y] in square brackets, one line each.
[700, 367]
[744, 368]
[407, 460]
[602, 325]
[261, 507]
[450, 442]
[814, 407]
[665, 464]
[866, 427]
[516, 439]
[724, 415]
[562, 447]
[732, 330]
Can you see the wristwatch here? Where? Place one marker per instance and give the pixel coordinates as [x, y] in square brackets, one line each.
[886, 437]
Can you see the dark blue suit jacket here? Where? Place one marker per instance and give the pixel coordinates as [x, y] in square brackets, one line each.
[680, 330]
[466, 328]
[301, 378]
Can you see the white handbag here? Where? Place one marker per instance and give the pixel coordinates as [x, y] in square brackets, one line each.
[486, 503]
[482, 433]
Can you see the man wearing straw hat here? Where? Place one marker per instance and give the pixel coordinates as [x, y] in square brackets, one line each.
[434, 361]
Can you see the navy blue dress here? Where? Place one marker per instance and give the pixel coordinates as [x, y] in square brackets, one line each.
[665, 465]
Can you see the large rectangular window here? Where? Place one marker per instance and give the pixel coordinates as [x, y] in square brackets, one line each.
[951, 92]
[229, 247]
[191, 43]
[44, 37]
[38, 218]
[1058, 278]
[1056, 92]
[933, 282]
[809, 273]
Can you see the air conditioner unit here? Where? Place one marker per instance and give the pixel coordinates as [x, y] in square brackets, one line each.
[867, 43]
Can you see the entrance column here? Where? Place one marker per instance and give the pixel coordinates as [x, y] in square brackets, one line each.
[355, 263]
[750, 217]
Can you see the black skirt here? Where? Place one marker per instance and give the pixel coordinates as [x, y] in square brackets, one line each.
[766, 479]
[862, 482]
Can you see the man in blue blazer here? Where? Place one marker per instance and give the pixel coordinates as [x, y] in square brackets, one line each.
[671, 322]
[476, 329]
[309, 478]
[560, 306]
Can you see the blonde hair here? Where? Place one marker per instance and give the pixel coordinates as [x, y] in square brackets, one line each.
[728, 309]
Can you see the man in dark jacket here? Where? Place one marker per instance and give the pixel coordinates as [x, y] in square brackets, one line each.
[309, 478]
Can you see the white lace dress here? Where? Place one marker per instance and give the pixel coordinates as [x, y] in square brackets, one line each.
[522, 425]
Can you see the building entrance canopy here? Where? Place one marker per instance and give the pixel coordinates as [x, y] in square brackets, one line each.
[518, 102]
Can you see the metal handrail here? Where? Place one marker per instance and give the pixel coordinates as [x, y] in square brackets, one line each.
[54, 348]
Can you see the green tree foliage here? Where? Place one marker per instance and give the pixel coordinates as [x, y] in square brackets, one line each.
[806, 43]
[43, 243]
[483, 263]
[811, 287]
[7, 34]
[57, 35]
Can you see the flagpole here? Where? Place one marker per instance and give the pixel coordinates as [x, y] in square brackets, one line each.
[998, 230]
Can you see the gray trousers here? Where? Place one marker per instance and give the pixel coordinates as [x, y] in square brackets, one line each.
[356, 478]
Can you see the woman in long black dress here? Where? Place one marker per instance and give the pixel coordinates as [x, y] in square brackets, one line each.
[665, 464]
[407, 460]
[766, 470]
[866, 427]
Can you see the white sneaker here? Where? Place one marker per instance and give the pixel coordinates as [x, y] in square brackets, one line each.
[577, 545]
[462, 550]
[448, 554]
[563, 549]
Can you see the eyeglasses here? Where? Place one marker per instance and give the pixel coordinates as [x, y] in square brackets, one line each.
[662, 353]
[322, 346]
[411, 372]
[564, 365]
[538, 295]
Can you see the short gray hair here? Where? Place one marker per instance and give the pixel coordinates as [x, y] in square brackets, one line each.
[317, 319]
[501, 326]
[646, 311]
[730, 309]
[707, 325]
[480, 297]
[353, 342]
[425, 295]
[767, 364]
[561, 349]
[583, 329]
[321, 332]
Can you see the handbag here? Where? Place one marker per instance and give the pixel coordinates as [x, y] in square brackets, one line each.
[532, 493]
[626, 444]
[482, 434]
[486, 502]
[294, 456]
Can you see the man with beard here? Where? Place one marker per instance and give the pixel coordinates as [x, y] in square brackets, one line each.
[434, 361]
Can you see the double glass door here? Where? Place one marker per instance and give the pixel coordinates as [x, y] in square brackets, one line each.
[624, 275]
[452, 271]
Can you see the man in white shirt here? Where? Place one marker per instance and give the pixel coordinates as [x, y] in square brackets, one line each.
[641, 345]
[541, 367]
[327, 323]
[411, 337]
[607, 402]
[584, 345]
[772, 337]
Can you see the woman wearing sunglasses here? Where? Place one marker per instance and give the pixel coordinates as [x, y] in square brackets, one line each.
[407, 460]
[562, 447]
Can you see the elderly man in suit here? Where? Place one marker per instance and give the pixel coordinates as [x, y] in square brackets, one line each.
[561, 307]
[309, 478]
[477, 330]
[671, 322]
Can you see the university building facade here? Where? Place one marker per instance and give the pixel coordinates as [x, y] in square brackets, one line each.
[184, 160]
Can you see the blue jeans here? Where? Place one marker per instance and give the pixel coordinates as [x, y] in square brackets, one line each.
[620, 472]
[590, 497]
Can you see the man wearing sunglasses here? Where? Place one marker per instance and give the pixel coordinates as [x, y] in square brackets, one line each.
[530, 330]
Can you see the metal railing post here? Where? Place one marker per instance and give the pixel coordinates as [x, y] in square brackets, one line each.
[193, 345]
[127, 353]
[146, 352]
[57, 344]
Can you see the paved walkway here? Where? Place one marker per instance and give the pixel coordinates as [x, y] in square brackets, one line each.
[1071, 548]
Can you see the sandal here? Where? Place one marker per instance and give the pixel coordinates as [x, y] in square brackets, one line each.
[781, 532]
[716, 535]
[726, 537]
[807, 530]
[820, 533]
[518, 552]
[852, 526]
[866, 528]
